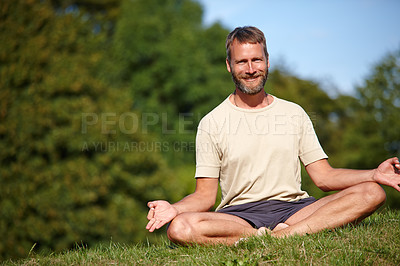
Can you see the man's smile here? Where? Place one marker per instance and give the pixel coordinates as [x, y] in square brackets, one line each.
[252, 79]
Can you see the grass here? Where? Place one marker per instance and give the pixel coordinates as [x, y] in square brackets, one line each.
[376, 241]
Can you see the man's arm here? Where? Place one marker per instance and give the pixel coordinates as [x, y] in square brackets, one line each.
[203, 199]
[328, 178]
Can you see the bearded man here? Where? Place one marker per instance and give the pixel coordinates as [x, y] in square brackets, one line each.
[253, 145]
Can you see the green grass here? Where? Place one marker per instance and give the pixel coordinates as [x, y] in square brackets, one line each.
[376, 241]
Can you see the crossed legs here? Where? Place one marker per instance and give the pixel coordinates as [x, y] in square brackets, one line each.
[350, 205]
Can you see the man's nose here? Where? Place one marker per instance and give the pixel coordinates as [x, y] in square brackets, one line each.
[250, 68]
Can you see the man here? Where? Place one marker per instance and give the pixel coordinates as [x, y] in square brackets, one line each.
[252, 144]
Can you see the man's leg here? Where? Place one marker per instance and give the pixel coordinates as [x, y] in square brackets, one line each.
[208, 228]
[350, 205]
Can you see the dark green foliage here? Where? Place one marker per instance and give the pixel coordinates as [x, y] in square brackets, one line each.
[377, 119]
[370, 127]
[65, 180]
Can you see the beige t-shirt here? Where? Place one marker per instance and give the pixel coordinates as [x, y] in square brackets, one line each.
[256, 153]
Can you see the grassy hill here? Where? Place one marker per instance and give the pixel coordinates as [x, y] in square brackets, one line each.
[376, 241]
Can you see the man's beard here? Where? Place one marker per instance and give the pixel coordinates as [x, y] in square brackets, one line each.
[250, 90]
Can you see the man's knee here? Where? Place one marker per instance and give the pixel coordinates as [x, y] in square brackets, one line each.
[373, 195]
[180, 229]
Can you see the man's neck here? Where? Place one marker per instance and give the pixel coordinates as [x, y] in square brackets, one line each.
[246, 101]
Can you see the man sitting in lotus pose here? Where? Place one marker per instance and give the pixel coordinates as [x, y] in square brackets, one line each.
[252, 145]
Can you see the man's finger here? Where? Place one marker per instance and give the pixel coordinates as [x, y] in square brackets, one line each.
[161, 224]
[154, 225]
[397, 168]
[150, 215]
[394, 160]
[150, 224]
[158, 224]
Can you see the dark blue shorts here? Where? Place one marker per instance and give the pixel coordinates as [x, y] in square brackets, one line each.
[267, 213]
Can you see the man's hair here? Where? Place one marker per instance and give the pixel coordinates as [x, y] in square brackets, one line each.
[246, 34]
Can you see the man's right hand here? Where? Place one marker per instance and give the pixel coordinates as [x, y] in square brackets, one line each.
[161, 212]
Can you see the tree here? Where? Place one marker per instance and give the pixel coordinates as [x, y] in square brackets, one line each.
[381, 96]
[370, 119]
[71, 165]
[372, 130]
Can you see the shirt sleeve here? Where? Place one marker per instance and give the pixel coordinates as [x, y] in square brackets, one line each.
[310, 148]
[208, 155]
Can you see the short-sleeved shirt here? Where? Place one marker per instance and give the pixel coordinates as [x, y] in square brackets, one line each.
[256, 153]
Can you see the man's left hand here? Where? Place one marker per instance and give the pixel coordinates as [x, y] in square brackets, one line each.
[388, 173]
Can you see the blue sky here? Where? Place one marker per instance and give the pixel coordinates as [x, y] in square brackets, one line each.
[335, 42]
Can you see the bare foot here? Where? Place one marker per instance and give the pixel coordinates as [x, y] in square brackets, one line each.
[280, 226]
[263, 231]
[260, 232]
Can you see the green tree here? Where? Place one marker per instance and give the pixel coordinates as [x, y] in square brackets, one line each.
[380, 96]
[370, 119]
[102, 14]
[372, 130]
[70, 165]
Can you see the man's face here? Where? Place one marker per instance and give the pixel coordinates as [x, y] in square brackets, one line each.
[248, 66]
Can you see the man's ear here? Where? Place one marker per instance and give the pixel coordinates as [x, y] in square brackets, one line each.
[228, 66]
